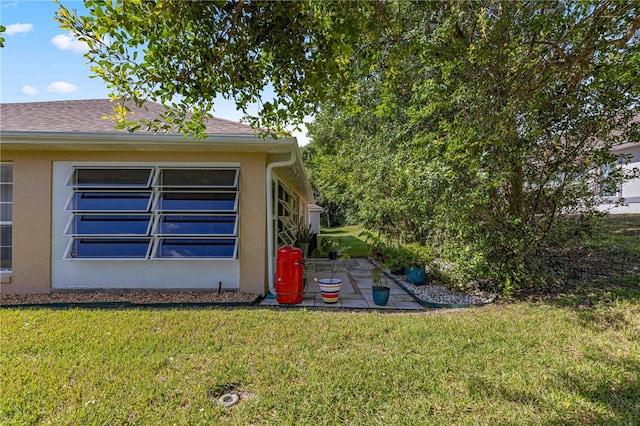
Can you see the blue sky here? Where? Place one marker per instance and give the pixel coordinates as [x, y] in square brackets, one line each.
[41, 62]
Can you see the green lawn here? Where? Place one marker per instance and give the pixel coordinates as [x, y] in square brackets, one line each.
[521, 363]
[567, 355]
[348, 236]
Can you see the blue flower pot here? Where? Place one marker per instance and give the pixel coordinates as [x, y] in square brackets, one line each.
[381, 295]
[415, 275]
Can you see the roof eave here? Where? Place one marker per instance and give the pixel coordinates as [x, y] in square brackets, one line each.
[119, 141]
[142, 142]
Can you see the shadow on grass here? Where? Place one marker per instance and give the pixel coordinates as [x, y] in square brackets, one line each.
[600, 270]
[618, 391]
[609, 393]
[333, 231]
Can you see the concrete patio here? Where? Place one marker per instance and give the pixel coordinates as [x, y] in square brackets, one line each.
[356, 290]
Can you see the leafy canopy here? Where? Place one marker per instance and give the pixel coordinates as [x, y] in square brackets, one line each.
[474, 126]
[184, 54]
[492, 127]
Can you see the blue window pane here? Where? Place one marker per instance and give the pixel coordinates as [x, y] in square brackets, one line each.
[96, 248]
[104, 224]
[111, 177]
[191, 225]
[205, 201]
[197, 248]
[110, 201]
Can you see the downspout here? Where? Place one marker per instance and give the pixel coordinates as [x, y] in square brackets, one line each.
[270, 167]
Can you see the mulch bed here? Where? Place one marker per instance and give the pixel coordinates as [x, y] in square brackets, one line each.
[133, 297]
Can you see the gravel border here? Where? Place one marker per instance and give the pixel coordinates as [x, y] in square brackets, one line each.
[437, 296]
[129, 298]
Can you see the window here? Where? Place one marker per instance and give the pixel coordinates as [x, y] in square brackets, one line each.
[110, 248]
[106, 178]
[6, 219]
[197, 225]
[609, 181]
[110, 201]
[287, 213]
[177, 248]
[153, 213]
[96, 224]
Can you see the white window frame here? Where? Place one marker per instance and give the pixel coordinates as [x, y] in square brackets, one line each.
[604, 174]
[70, 183]
[233, 186]
[70, 208]
[156, 204]
[155, 189]
[68, 229]
[8, 222]
[156, 230]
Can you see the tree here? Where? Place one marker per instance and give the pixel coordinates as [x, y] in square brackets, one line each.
[471, 125]
[184, 54]
[513, 110]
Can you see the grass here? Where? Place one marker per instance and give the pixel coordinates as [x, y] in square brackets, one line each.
[520, 363]
[603, 267]
[348, 236]
[570, 356]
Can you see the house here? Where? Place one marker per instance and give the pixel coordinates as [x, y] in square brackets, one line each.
[85, 206]
[628, 192]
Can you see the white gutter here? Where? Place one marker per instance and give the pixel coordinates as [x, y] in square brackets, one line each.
[270, 167]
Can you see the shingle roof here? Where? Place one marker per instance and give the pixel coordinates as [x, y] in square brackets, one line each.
[87, 116]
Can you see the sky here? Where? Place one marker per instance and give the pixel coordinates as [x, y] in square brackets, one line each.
[41, 62]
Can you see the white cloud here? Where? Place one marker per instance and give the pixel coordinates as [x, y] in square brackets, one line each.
[18, 28]
[69, 42]
[61, 87]
[28, 90]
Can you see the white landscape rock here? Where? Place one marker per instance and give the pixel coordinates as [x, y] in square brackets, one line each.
[444, 296]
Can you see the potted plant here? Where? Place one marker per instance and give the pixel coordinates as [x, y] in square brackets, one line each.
[330, 247]
[380, 292]
[330, 287]
[303, 237]
[419, 256]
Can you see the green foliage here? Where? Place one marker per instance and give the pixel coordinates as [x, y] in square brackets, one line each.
[396, 257]
[496, 129]
[376, 275]
[331, 245]
[303, 233]
[2, 39]
[419, 255]
[185, 54]
[467, 126]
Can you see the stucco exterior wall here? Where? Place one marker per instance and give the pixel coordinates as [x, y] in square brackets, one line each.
[32, 212]
[31, 229]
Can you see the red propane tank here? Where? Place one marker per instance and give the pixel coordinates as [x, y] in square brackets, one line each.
[289, 273]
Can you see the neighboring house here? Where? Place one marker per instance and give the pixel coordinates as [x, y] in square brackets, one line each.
[84, 206]
[628, 192]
